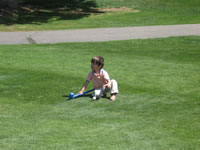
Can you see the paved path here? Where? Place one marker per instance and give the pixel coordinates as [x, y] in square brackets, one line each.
[102, 34]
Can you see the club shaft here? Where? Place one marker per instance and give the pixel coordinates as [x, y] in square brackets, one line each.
[77, 95]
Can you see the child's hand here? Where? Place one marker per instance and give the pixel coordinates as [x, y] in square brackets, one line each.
[80, 92]
[107, 85]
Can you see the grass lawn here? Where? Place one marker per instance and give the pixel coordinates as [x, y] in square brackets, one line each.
[128, 13]
[158, 106]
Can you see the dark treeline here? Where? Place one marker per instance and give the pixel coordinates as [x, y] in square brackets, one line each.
[40, 11]
[67, 4]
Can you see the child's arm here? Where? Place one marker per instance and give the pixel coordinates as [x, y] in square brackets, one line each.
[107, 83]
[106, 80]
[83, 87]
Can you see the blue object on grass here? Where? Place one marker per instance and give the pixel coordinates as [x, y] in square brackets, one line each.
[71, 95]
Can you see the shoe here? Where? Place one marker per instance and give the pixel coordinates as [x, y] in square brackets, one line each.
[94, 98]
[113, 97]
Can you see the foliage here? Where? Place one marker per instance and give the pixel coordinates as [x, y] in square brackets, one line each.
[69, 4]
[90, 14]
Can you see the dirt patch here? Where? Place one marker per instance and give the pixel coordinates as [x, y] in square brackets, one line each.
[121, 9]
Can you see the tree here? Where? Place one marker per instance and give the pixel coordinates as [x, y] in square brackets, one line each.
[9, 4]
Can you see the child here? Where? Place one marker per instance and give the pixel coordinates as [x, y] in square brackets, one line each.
[101, 80]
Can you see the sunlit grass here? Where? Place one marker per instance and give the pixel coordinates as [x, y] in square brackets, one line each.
[158, 106]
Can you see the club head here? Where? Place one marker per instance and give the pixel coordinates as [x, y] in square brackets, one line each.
[71, 95]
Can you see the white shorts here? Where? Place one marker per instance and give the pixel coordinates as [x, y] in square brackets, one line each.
[101, 91]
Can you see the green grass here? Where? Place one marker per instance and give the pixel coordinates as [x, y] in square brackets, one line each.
[158, 106]
[148, 12]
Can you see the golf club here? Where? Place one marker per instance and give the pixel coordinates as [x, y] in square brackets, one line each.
[71, 95]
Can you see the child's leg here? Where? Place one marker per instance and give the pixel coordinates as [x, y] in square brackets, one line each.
[114, 87]
[114, 90]
[98, 93]
[105, 91]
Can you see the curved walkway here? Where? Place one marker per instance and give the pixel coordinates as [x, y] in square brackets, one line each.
[100, 34]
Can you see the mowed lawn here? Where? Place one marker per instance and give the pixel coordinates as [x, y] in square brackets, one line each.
[104, 13]
[158, 106]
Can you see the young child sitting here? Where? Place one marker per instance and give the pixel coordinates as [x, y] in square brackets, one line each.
[101, 80]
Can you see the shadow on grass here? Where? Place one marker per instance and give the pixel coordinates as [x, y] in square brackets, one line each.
[35, 13]
[86, 95]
